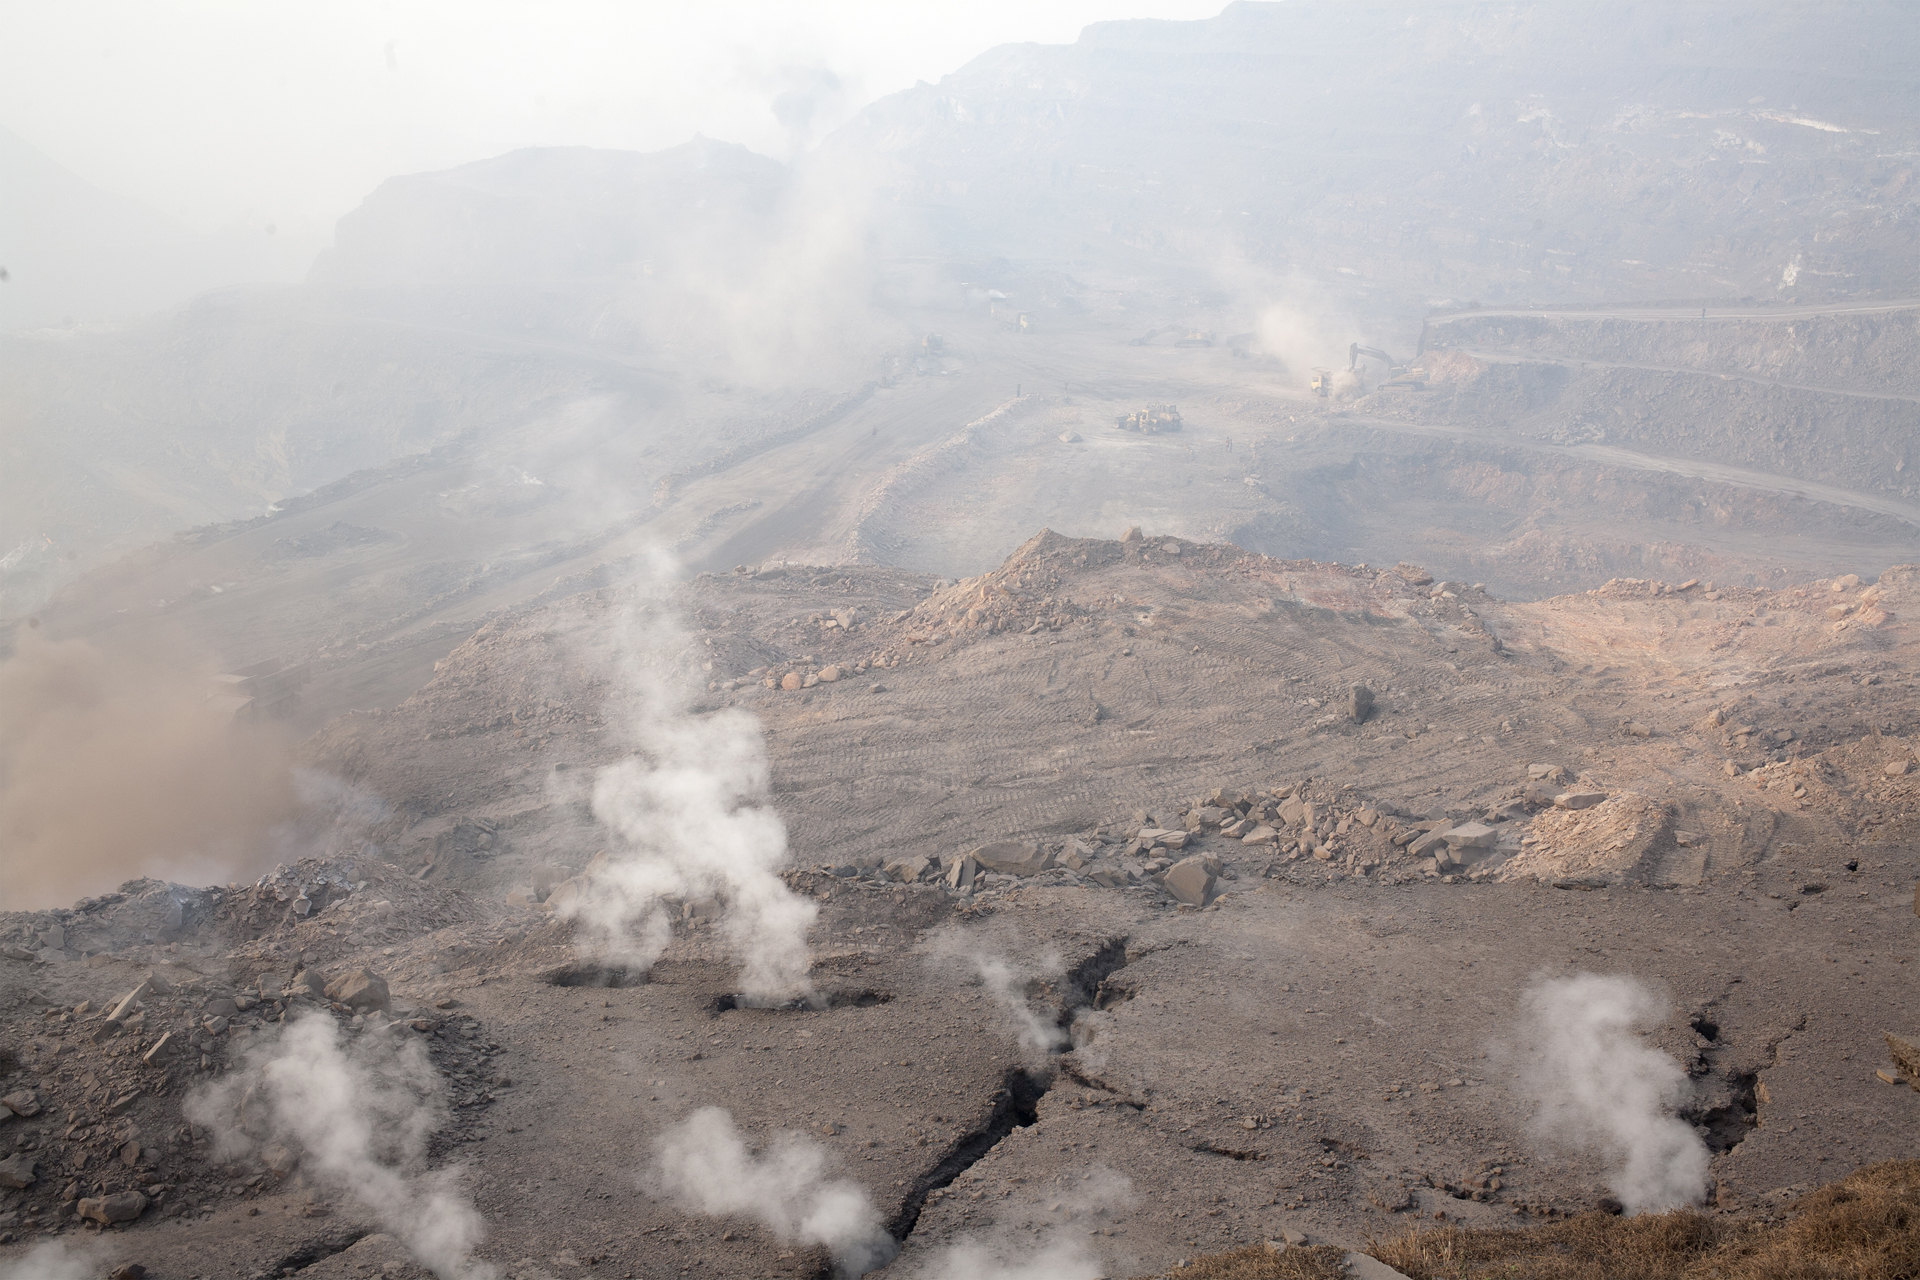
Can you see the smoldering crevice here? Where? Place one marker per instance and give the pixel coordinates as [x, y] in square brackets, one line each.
[584, 975]
[1726, 1126]
[319, 1250]
[856, 998]
[1016, 1104]
[1086, 983]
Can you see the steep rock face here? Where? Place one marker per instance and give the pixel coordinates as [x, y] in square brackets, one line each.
[1512, 150]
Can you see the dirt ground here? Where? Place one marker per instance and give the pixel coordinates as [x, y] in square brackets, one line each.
[1319, 1049]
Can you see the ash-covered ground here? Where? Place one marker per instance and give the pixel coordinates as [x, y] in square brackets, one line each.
[1169, 897]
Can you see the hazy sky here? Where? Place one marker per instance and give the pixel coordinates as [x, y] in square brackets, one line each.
[225, 114]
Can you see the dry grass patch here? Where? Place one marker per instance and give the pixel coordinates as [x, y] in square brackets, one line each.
[1257, 1262]
[1864, 1227]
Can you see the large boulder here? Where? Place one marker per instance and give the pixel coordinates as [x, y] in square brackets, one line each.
[1615, 840]
[1014, 857]
[360, 990]
[23, 1103]
[108, 1210]
[961, 872]
[906, 868]
[18, 1172]
[1471, 835]
[1190, 881]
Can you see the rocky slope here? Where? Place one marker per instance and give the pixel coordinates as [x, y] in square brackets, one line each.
[1277, 846]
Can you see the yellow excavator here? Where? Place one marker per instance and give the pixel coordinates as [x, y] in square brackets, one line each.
[1398, 375]
[1153, 420]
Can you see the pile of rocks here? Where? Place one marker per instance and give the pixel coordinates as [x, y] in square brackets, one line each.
[142, 912]
[799, 673]
[1189, 853]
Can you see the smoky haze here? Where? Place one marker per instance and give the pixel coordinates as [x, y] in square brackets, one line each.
[114, 765]
[988, 641]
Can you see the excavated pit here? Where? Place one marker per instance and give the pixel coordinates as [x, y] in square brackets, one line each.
[1725, 1127]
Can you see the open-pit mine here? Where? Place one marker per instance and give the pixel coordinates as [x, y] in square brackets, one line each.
[1250, 666]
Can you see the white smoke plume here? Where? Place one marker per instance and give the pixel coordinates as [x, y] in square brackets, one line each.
[688, 808]
[1099, 1193]
[1599, 1087]
[357, 1112]
[977, 1260]
[1038, 1034]
[54, 1260]
[705, 1165]
[1035, 1029]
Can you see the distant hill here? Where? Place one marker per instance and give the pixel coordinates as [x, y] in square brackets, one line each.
[1508, 150]
[75, 253]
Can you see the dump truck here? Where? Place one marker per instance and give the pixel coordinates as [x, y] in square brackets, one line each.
[1153, 420]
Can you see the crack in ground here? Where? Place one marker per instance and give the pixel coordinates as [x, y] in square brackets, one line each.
[1016, 1104]
[319, 1250]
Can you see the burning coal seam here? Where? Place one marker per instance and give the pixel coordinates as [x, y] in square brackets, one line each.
[688, 812]
[1598, 1087]
[707, 1166]
[353, 1114]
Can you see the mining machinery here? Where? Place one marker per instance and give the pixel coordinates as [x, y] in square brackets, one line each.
[1398, 375]
[1155, 419]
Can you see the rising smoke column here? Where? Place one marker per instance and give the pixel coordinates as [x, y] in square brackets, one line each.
[358, 1113]
[705, 1165]
[1599, 1087]
[1036, 1031]
[1038, 1034]
[688, 810]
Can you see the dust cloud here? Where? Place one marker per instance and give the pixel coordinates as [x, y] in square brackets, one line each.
[1600, 1089]
[114, 765]
[689, 809]
[356, 1112]
[705, 1165]
[54, 1260]
[774, 294]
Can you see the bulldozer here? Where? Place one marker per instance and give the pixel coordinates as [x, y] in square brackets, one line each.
[1153, 420]
[1398, 375]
